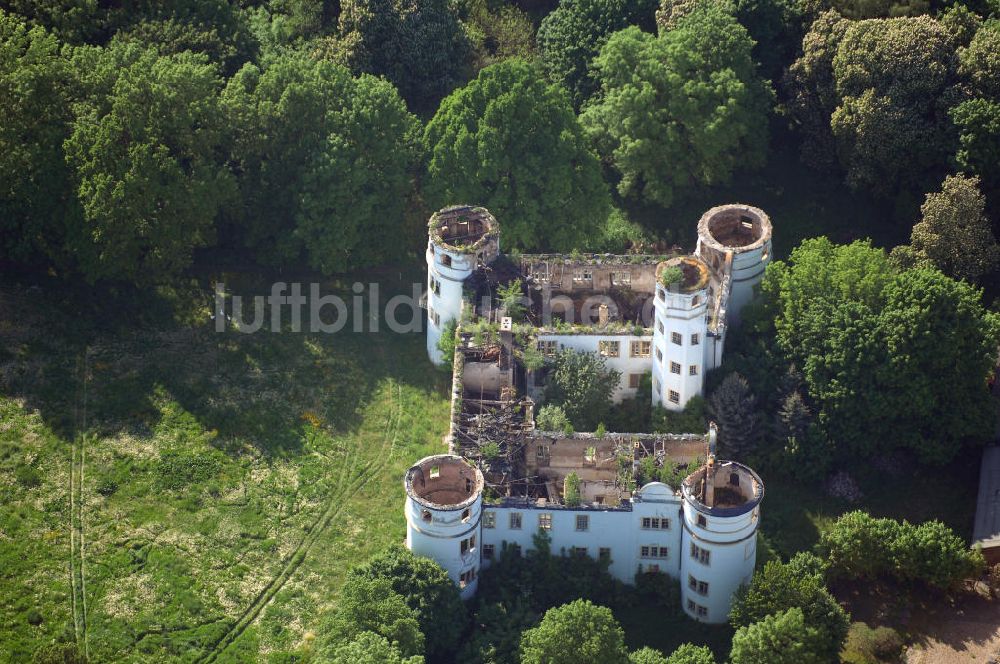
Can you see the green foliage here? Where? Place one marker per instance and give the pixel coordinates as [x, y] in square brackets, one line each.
[532, 358]
[510, 141]
[621, 235]
[890, 360]
[776, 27]
[495, 33]
[691, 654]
[145, 151]
[571, 490]
[551, 417]
[180, 468]
[861, 546]
[866, 645]
[37, 205]
[954, 234]
[734, 408]
[447, 341]
[427, 590]
[571, 36]
[781, 638]
[647, 655]
[709, 114]
[777, 588]
[978, 124]
[368, 605]
[370, 648]
[689, 420]
[961, 22]
[513, 299]
[325, 163]
[890, 123]
[980, 61]
[418, 45]
[582, 384]
[671, 275]
[576, 632]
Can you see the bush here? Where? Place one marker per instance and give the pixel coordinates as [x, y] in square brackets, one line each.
[552, 418]
[571, 490]
[870, 646]
[28, 476]
[180, 468]
[446, 344]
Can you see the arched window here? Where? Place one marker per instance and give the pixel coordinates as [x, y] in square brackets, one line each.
[446, 260]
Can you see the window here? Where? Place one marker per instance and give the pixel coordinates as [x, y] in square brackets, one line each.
[691, 605]
[545, 521]
[580, 551]
[695, 301]
[701, 555]
[426, 516]
[664, 552]
[621, 278]
[582, 522]
[677, 338]
[734, 479]
[489, 519]
[655, 523]
[604, 553]
[435, 472]
[515, 520]
[693, 370]
[654, 552]
[488, 551]
[608, 348]
[659, 355]
[466, 513]
[694, 340]
[675, 397]
[661, 294]
[640, 348]
[542, 451]
[702, 521]
[702, 611]
[634, 380]
[547, 347]
[583, 275]
[446, 260]
[464, 546]
[465, 578]
[659, 326]
[675, 368]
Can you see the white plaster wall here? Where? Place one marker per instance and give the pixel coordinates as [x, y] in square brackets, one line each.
[440, 540]
[732, 542]
[747, 273]
[448, 305]
[682, 313]
[588, 343]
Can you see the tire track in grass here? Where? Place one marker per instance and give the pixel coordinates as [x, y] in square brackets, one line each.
[77, 541]
[352, 479]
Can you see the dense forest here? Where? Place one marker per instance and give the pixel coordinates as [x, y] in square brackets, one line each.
[143, 137]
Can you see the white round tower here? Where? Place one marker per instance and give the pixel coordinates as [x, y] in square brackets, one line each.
[735, 240]
[444, 501]
[679, 331]
[461, 238]
[719, 540]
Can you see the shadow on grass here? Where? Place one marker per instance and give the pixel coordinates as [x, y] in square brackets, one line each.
[264, 388]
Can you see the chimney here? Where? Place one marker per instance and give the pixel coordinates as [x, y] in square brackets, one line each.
[602, 314]
[709, 494]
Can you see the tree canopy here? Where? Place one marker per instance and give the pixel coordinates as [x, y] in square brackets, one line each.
[145, 150]
[679, 111]
[325, 163]
[582, 384]
[780, 638]
[509, 141]
[576, 632]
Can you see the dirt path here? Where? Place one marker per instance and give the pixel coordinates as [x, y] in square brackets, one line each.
[969, 633]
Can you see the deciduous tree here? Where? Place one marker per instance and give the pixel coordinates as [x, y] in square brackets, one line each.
[509, 141]
[582, 384]
[682, 110]
[781, 638]
[576, 632]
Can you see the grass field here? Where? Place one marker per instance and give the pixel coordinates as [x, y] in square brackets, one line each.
[176, 494]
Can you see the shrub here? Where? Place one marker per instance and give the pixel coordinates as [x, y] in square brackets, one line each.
[551, 418]
[571, 490]
[870, 646]
[180, 468]
[446, 344]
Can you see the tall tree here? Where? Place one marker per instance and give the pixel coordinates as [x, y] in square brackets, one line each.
[734, 408]
[37, 200]
[370, 648]
[894, 79]
[576, 632]
[582, 384]
[779, 587]
[371, 605]
[681, 110]
[146, 151]
[573, 34]
[954, 234]
[325, 162]
[780, 638]
[418, 45]
[427, 590]
[978, 118]
[509, 141]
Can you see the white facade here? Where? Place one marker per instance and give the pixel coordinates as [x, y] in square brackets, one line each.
[444, 291]
[629, 354]
[444, 504]
[679, 339]
[719, 547]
